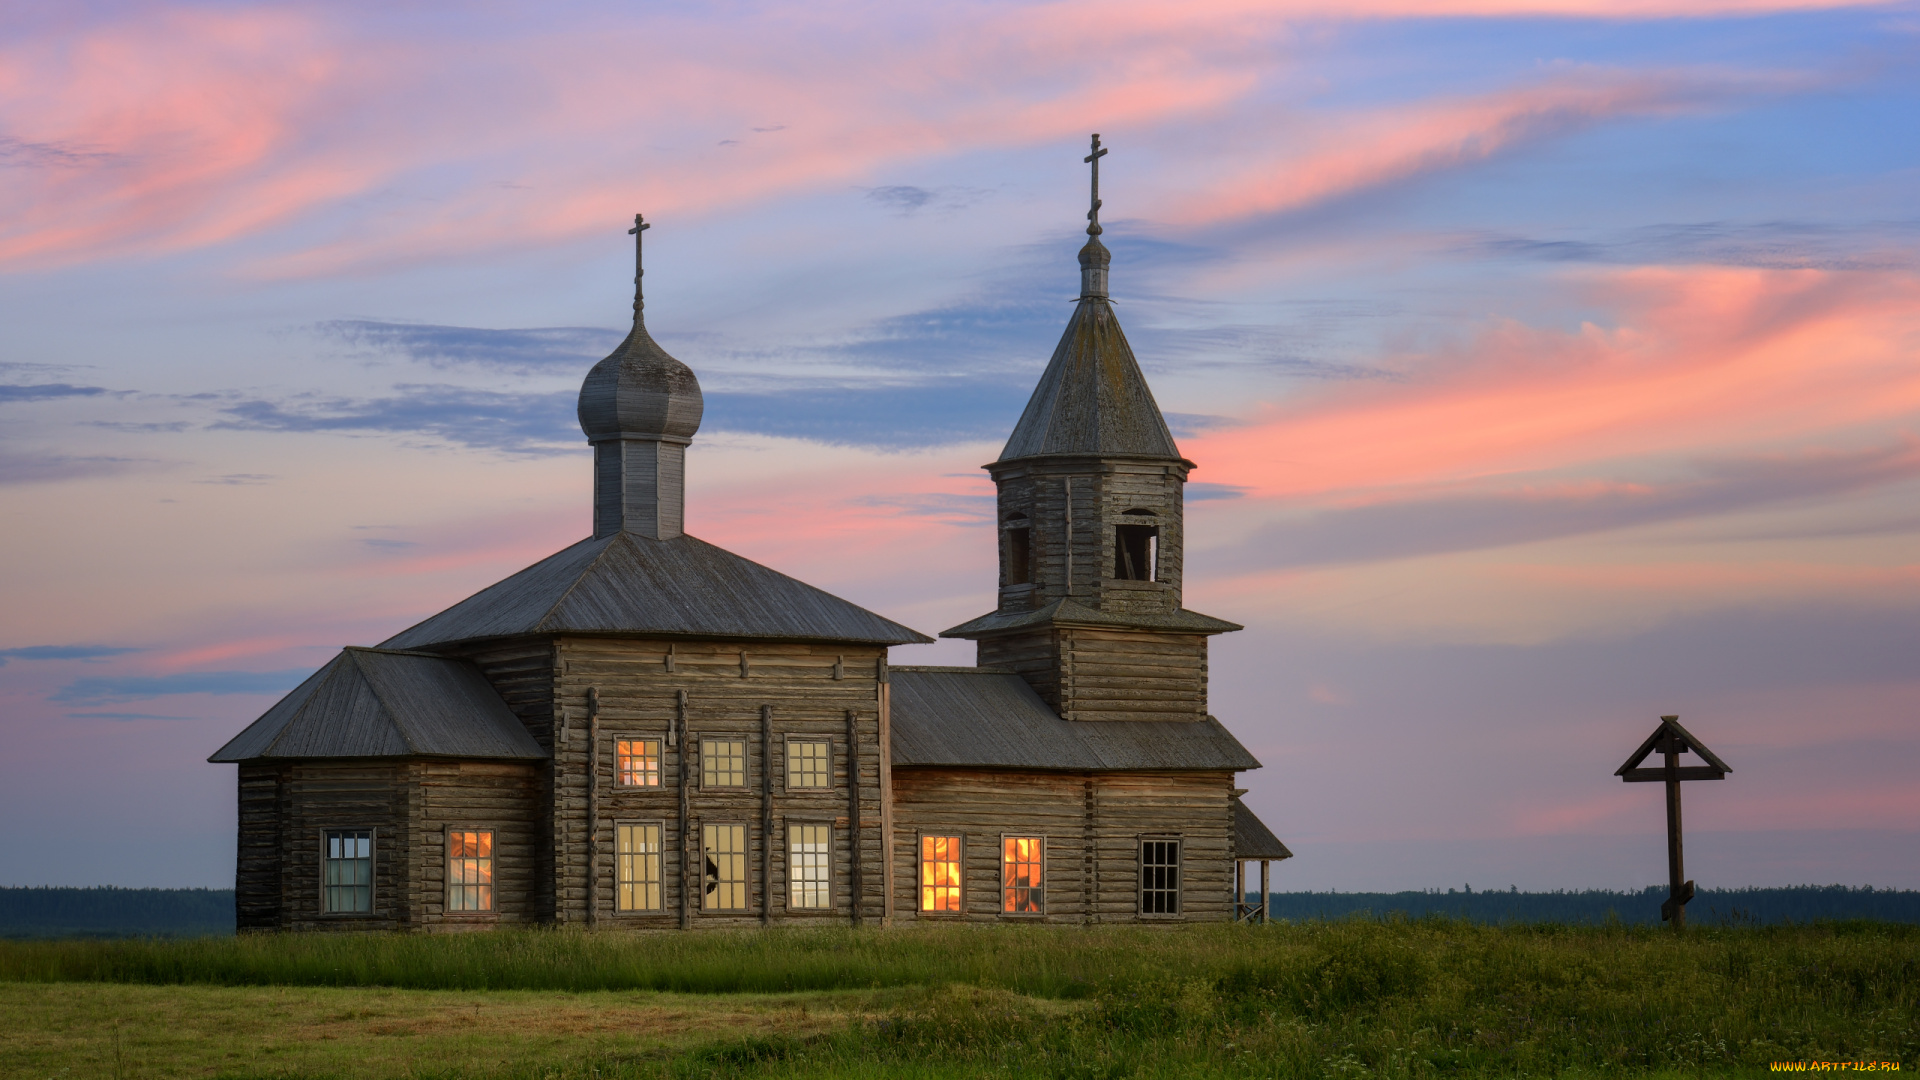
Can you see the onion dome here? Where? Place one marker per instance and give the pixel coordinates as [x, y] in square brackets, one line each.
[639, 391]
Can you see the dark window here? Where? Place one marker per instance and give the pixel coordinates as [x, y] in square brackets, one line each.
[1135, 549]
[349, 872]
[1159, 877]
[1019, 555]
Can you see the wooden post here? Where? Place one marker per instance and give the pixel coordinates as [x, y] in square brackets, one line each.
[1266, 903]
[1239, 889]
[593, 807]
[686, 813]
[856, 885]
[766, 813]
[1676, 862]
[883, 696]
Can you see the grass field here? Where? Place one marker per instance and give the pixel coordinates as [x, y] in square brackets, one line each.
[1352, 998]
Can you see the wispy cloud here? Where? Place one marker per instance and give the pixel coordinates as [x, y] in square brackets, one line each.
[64, 652]
[521, 351]
[43, 391]
[1394, 525]
[98, 690]
[28, 467]
[1775, 245]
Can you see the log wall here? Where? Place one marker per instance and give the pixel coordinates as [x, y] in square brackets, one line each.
[1072, 506]
[636, 687]
[1108, 674]
[1093, 824]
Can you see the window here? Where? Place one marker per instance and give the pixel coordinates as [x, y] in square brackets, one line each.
[940, 873]
[1159, 877]
[638, 761]
[349, 873]
[723, 763]
[1020, 870]
[470, 870]
[725, 850]
[1136, 549]
[637, 858]
[1019, 551]
[810, 865]
[809, 763]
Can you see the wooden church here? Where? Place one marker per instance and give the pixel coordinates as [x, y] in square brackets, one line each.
[648, 731]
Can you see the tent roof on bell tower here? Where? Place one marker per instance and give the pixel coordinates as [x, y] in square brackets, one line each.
[1092, 399]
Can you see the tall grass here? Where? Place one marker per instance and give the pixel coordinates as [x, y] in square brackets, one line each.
[1350, 998]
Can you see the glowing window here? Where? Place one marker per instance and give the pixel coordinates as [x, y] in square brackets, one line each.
[723, 763]
[725, 851]
[810, 865]
[1020, 870]
[940, 873]
[470, 870]
[637, 859]
[349, 872]
[1160, 877]
[638, 761]
[809, 764]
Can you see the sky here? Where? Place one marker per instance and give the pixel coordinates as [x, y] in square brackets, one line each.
[1550, 365]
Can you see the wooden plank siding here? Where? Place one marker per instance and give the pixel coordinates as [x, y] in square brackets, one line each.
[1093, 824]
[256, 870]
[1072, 506]
[726, 685]
[1108, 674]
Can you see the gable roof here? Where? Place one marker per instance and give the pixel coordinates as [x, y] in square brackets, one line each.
[1092, 399]
[990, 718]
[381, 703]
[630, 584]
[1067, 612]
[1251, 837]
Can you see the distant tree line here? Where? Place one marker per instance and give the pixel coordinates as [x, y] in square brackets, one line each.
[1798, 904]
[109, 912]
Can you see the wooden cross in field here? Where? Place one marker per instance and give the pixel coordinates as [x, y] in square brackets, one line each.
[1671, 740]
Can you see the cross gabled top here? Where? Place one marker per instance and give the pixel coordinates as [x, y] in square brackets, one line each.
[1670, 729]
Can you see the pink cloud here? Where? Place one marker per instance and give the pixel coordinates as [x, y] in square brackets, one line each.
[181, 130]
[1699, 358]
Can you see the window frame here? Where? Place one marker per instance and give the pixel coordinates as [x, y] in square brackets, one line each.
[660, 759]
[832, 880]
[492, 910]
[919, 870]
[701, 739]
[786, 762]
[1018, 564]
[1004, 886]
[373, 855]
[746, 868]
[660, 867]
[1180, 875]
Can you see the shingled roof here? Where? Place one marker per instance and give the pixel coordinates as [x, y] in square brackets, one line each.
[1092, 398]
[989, 718]
[383, 703]
[1066, 612]
[628, 584]
[1251, 837]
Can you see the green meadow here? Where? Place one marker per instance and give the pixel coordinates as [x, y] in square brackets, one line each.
[1350, 998]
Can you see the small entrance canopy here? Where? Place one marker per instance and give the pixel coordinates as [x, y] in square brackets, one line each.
[1252, 842]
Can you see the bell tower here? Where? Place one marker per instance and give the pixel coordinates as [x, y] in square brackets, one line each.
[1091, 530]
